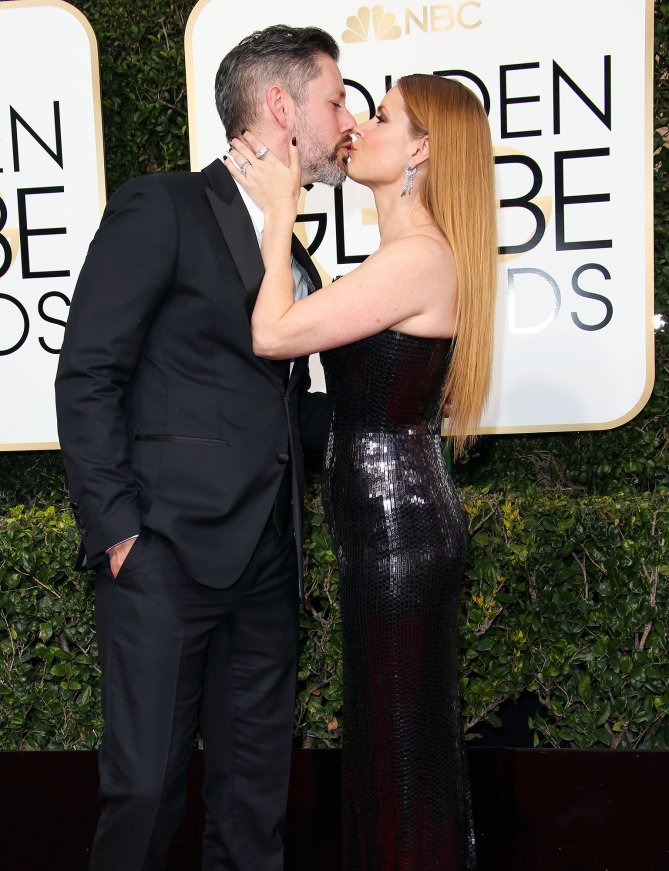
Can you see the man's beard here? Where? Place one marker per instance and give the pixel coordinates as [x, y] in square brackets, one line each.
[316, 160]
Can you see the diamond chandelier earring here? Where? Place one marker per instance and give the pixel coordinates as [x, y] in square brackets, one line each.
[409, 173]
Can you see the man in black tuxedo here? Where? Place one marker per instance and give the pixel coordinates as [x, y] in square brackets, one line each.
[184, 459]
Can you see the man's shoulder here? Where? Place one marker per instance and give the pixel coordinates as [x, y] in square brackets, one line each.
[170, 181]
[166, 192]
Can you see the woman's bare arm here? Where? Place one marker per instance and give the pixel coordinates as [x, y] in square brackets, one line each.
[409, 285]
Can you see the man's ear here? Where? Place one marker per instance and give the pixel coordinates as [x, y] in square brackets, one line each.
[421, 151]
[279, 105]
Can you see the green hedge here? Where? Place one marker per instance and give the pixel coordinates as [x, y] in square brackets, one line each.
[566, 597]
[567, 582]
[50, 679]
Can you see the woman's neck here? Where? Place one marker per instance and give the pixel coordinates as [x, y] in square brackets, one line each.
[400, 215]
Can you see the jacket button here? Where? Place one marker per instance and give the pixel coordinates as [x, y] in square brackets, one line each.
[283, 459]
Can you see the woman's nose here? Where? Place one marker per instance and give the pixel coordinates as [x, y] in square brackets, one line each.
[359, 129]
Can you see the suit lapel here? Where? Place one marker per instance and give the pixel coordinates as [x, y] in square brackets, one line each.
[302, 257]
[301, 365]
[237, 228]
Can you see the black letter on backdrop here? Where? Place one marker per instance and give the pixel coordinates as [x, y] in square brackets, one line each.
[559, 73]
[504, 100]
[25, 232]
[26, 325]
[365, 93]
[465, 74]
[588, 295]
[321, 218]
[4, 242]
[57, 154]
[340, 232]
[46, 317]
[524, 202]
[342, 257]
[561, 200]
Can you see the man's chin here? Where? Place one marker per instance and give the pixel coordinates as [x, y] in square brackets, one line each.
[334, 173]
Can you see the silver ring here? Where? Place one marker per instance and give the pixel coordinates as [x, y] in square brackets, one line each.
[263, 151]
[242, 168]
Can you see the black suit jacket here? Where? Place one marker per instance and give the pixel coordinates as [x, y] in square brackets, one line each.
[166, 417]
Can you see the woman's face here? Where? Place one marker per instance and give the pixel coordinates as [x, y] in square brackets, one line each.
[384, 145]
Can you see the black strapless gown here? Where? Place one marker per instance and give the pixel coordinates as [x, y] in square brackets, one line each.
[401, 543]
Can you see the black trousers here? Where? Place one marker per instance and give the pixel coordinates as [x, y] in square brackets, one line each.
[173, 651]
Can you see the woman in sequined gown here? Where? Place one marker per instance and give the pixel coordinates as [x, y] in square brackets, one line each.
[386, 333]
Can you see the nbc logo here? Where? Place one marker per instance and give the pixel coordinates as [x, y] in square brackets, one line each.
[374, 24]
[382, 22]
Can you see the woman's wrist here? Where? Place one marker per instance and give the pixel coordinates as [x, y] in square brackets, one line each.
[281, 211]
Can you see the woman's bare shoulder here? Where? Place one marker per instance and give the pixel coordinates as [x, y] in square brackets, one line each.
[421, 257]
[418, 244]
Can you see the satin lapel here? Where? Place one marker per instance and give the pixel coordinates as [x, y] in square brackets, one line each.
[237, 228]
[240, 236]
[300, 369]
[301, 365]
[302, 257]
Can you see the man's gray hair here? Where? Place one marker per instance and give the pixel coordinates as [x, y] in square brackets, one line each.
[283, 55]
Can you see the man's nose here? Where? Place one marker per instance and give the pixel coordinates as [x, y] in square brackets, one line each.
[348, 122]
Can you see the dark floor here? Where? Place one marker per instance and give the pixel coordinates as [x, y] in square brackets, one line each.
[535, 810]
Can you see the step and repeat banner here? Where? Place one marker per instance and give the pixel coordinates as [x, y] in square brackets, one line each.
[51, 198]
[568, 90]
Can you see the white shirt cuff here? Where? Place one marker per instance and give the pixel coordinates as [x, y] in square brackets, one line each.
[121, 542]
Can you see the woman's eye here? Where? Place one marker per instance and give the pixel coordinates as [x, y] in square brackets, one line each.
[379, 118]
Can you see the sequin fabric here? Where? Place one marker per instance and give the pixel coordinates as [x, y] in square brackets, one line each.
[401, 543]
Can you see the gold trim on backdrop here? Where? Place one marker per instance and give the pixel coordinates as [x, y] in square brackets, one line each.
[99, 146]
[32, 446]
[650, 276]
[650, 215]
[190, 83]
[648, 186]
[95, 82]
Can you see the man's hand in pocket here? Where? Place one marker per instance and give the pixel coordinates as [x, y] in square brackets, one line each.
[118, 553]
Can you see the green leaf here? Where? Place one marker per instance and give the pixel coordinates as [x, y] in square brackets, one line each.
[603, 736]
[604, 715]
[585, 689]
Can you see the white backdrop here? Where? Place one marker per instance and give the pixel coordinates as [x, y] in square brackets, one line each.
[51, 197]
[569, 87]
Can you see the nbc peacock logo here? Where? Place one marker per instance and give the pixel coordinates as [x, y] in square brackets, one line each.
[382, 25]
